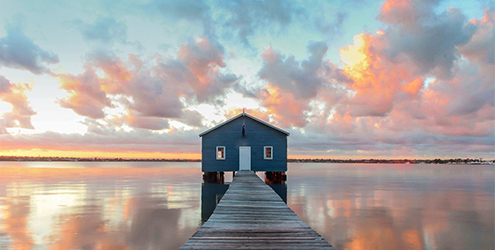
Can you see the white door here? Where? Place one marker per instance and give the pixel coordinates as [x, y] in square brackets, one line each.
[244, 158]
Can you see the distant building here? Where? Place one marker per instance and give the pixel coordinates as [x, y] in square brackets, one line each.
[244, 142]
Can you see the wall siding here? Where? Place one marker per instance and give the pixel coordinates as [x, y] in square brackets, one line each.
[257, 136]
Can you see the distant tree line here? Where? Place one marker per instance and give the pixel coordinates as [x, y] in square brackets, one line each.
[85, 159]
[315, 160]
[398, 161]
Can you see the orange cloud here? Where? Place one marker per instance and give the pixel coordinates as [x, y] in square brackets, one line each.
[283, 106]
[291, 85]
[151, 91]
[21, 112]
[413, 87]
[203, 59]
[85, 94]
[404, 12]
[376, 80]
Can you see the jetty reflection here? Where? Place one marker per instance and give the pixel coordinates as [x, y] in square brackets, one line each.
[213, 191]
[281, 190]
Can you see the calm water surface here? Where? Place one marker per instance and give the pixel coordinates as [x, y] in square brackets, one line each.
[154, 205]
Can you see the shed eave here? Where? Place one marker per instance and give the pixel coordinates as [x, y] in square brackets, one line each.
[239, 115]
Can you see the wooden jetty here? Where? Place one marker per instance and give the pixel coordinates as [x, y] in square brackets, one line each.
[252, 216]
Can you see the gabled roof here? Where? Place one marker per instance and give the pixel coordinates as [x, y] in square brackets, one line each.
[240, 115]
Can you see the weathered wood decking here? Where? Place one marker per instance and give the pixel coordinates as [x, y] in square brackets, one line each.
[252, 216]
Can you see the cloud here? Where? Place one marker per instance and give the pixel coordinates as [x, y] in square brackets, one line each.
[302, 79]
[192, 118]
[20, 52]
[383, 101]
[5, 85]
[239, 20]
[376, 79]
[203, 59]
[197, 12]
[181, 9]
[232, 112]
[246, 17]
[104, 30]
[389, 102]
[149, 90]
[334, 27]
[429, 39]
[138, 140]
[152, 123]
[462, 105]
[291, 85]
[86, 97]
[469, 91]
[481, 48]
[285, 110]
[20, 115]
[407, 13]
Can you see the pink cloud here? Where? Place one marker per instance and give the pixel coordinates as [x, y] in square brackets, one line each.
[204, 59]
[481, 48]
[150, 90]
[20, 115]
[388, 101]
[85, 94]
[291, 85]
[376, 80]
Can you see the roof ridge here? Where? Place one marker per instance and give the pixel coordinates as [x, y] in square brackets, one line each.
[239, 115]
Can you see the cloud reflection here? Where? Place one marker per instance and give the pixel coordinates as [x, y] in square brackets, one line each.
[96, 208]
[389, 207]
[16, 223]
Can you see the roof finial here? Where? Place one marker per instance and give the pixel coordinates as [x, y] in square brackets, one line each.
[243, 110]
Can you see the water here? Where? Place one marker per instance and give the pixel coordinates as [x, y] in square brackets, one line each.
[381, 206]
[155, 205]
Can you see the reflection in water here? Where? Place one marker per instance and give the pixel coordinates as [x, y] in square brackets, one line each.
[157, 205]
[396, 206]
[281, 190]
[149, 229]
[18, 210]
[211, 193]
[83, 230]
[120, 207]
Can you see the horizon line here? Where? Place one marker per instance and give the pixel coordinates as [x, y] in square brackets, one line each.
[2, 158]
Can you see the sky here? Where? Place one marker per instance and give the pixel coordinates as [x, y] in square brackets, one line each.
[347, 78]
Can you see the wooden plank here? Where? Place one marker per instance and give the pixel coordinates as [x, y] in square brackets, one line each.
[252, 216]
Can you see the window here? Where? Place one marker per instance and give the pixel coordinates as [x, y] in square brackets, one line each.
[268, 153]
[220, 152]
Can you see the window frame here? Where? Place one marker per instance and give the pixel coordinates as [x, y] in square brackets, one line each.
[271, 153]
[224, 153]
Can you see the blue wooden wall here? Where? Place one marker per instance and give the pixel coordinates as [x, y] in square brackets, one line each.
[257, 136]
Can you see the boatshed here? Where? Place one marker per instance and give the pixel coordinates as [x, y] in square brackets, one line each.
[244, 142]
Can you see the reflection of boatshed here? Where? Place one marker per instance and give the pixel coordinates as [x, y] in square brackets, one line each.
[244, 142]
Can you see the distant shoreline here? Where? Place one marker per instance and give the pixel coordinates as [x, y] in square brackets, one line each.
[467, 161]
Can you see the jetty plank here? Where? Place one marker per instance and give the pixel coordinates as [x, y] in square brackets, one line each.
[252, 216]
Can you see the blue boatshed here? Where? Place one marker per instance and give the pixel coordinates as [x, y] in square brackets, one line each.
[244, 142]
